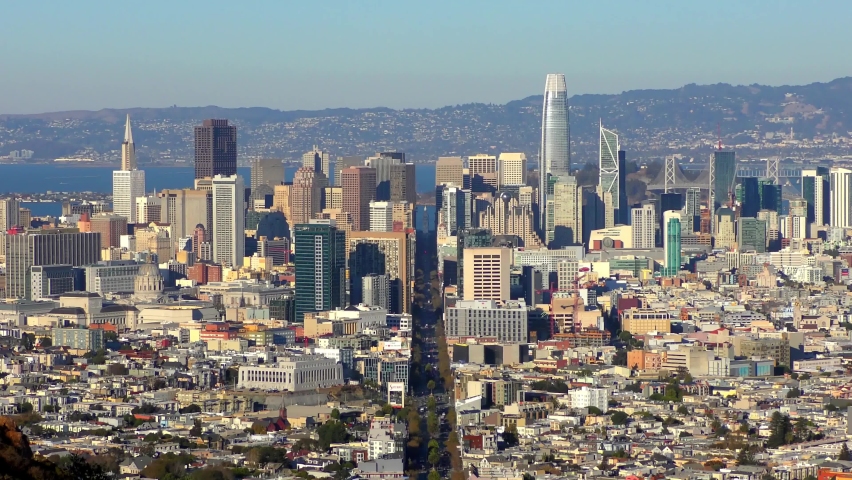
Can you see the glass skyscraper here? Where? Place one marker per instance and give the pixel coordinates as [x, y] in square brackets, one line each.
[320, 260]
[672, 244]
[555, 155]
[611, 164]
[815, 190]
[725, 168]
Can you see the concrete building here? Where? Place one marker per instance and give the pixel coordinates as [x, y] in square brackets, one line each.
[9, 218]
[127, 185]
[306, 195]
[46, 247]
[486, 273]
[50, 280]
[333, 197]
[375, 291]
[391, 253]
[113, 276]
[359, 189]
[567, 213]
[293, 374]
[449, 171]
[320, 262]
[78, 338]
[386, 438]
[505, 322]
[512, 169]
[229, 220]
[841, 197]
[269, 172]
[643, 223]
[381, 216]
[110, 228]
[586, 397]
[319, 160]
[185, 209]
[482, 169]
[640, 321]
[343, 163]
[215, 149]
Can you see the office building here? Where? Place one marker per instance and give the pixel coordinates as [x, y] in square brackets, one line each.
[128, 149]
[457, 210]
[9, 210]
[644, 223]
[87, 339]
[269, 172]
[376, 291]
[147, 209]
[486, 273]
[46, 247]
[612, 177]
[186, 209]
[110, 228]
[482, 169]
[332, 198]
[112, 276]
[640, 321]
[672, 243]
[841, 197]
[359, 189]
[770, 195]
[320, 261]
[343, 163]
[816, 188]
[449, 171]
[749, 197]
[319, 160]
[692, 210]
[293, 374]
[281, 200]
[50, 280]
[751, 234]
[488, 319]
[384, 163]
[229, 220]
[403, 187]
[566, 211]
[725, 168]
[512, 169]
[469, 238]
[215, 149]
[725, 234]
[306, 195]
[506, 216]
[381, 216]
[127, 185]
[390, 253]
[555, 152]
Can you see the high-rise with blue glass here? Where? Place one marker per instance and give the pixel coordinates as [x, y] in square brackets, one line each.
[555, 154]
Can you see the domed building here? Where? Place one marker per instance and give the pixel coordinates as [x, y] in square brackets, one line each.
[148, 284]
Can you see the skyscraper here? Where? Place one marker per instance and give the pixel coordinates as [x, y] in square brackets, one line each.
[692, 210]
[215, 149]
[128, 149]
[359, 189]
[403, 186]
[512, 169]
[482, 169]
[229, 220]
[306, 195]
[672, 244]
[110, 228]
[644, 224]
[320, 260]
[383, 163]
[9, 214]
[841, 197]
[375, 291]
[449, 171]
[47, 247]
[343, 163]
[611, 164]
[269, 172]
[486, 275]
[751, 235]
[725, 172]
[185, 209]
[127, 185]
[457, 209]
[555, 153]
[469, 238]
[390, 253]
[381, 216]
[319, 160]
[567, 210]
[815, 190]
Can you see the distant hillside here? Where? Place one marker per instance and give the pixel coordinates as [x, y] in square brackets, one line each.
[652, 123]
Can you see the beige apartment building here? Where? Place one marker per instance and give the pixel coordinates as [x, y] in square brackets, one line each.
[486, 273]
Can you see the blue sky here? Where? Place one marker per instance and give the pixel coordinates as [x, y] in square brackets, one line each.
[291, 54]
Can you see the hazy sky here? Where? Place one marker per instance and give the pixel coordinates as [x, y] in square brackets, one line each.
[311, 54]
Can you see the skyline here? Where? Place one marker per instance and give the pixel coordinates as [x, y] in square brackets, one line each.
[400, 56]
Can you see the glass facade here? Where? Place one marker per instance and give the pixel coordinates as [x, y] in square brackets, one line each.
[320, 260]
[672, 244]
[725, 170]
[555, 154]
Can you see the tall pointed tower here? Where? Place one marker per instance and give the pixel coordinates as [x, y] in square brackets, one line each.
[128, 149]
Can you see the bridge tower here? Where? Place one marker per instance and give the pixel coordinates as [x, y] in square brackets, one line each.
[669, 181]
[772, 169]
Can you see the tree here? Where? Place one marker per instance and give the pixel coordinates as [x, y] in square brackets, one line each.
[793, 393]
[431, 386]
[45, 342]
[191, 408]
[78, 468]
[510, 436]
[212, 473]
[844, 455]
[432, 424]
[434, 457]
[619, 418]
[683, 410]
[781, 430]
[433, 444]
[433, 475]
[745, 457]
[335, 414]
[25, 407]
[51, 408]
[595, 411]
[196, 431]
[258, 428]
[332, 431]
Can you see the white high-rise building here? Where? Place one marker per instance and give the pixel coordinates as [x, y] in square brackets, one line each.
[127, 186]
[586, 397]
[381, 216]
[229, 220]
[841, 197]
[512, 169]
[609, 178]
[375, 291]
[644, 224]
[567, 213]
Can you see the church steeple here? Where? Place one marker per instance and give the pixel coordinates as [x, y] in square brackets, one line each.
[128, 149]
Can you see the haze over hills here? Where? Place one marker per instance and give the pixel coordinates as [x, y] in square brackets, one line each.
[756, 119]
